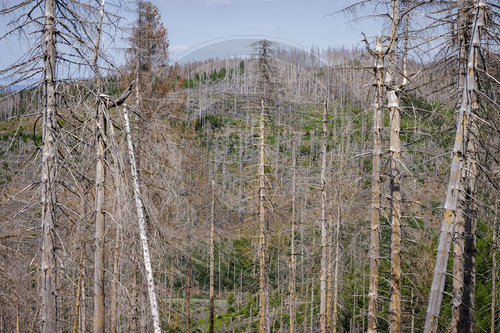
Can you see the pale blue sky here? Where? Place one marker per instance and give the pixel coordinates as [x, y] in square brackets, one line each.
[192, 23]
[304, 23]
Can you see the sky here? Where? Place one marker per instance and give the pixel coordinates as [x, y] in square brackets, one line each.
[192, 24]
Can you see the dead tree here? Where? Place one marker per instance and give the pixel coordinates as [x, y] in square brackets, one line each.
[395, 173]
[291, 300]
[212, 258]
[100, 188]
[376, 191]
[324, 235]
[456, 169]
[263, 289]
[49, 168]
[142, 227]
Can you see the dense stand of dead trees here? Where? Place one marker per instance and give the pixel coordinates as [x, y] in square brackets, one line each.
[284, 91]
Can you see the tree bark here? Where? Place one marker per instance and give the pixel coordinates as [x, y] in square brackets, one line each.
[188, 273]
[324, 232]
[117, 171]
[451, 203]
[264, 312]
[376, 195]
[292, 252]
[49, 169]
[79, 290]
[395, 176]
[335, 315]
[100, 179]
[469, 211]
[459, 228]
[212, 258]
[99, 314]
[494, 272]
[336, 282]
[142, 227]
[114, 290]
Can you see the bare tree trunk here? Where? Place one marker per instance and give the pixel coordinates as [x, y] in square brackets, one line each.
[494, 272]
[100, 179]
[79, 290]
[83, 312]
[329, 276]
[459, 228]
[292, 253]
[135, 301]
[451, 203]
[49, 164]
[119, 190]
[188, 293]
[99, 314]
[142, 227]
[458, 272]
[17, 315]
[335, 315]
[412, 320]
[324, 232]
[376, 195]
[469, 211]
[170, 301]
[395, 177]
[114, 290]
[264, 311]
[212, 257]
[311, 305]
[188, 273]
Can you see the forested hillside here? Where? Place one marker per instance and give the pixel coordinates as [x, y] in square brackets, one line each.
[335, 190]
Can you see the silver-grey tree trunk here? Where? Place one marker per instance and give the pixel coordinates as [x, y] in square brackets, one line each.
[49, 170]
[324, 231]
[292, 253]
[100, 179]
[494, 272]
[395, 176]
[142, 228]
[459, 228]
[452, 195]
[376, 195]
[264, 311]
[212, 260]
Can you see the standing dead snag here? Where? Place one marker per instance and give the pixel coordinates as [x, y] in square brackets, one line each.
[142, 227]
[324, 235]
[264, 311]
[266, 88]
[99, 312]
[494, 270]
[459, 228]
[376, 196]
[49, 151]
[292, 252]
[395, 176]
[100, 179]
[212, 258]
[456, 169]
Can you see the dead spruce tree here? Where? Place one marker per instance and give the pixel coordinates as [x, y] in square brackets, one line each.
[100, 178]
[393, 98]
[378, 54]
[267, 89]
[49, 168]
[462, 136]
[324, 228]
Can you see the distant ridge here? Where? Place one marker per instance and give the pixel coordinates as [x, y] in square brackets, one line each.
[220, 49]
